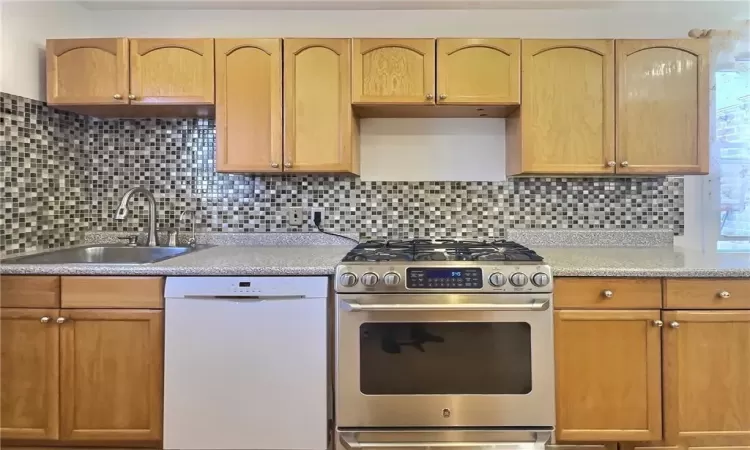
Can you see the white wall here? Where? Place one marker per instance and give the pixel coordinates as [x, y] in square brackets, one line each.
[674, 21]
[24, 27]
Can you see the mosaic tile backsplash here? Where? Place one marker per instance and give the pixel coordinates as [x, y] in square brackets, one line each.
[43, 176]
[82, 166]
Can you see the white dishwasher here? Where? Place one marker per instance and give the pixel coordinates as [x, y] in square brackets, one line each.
[246, 363]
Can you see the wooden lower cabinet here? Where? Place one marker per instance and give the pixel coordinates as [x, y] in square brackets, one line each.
[707, 379]
[608, 375]
[88, 376]
[29, 392]
[111, 375]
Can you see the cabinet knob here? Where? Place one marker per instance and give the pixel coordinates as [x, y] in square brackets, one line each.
[443, 96]
[117, 97]
[275, 165]
[60, 320]
[674, 324]
[724, 294]
[611, 164]
[429, 96]
[608, 293]
[44, 319]
[131, 96]
[624, 164]
[288, 165]
[658, 323]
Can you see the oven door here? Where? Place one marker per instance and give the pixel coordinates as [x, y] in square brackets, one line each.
[449, 360]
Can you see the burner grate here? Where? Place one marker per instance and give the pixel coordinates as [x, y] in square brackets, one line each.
[441, 250]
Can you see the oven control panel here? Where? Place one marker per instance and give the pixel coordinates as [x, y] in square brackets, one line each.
[444, 278]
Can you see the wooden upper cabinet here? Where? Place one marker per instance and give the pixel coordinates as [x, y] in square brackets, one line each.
[320, 129]
[662, 106]
[393, 71]
[87, 71]
[172, 71]
[566, 122]
[608, 373]
[29, 393]
[707, 377]
[111, 372]
[478, 71]
[248, 105]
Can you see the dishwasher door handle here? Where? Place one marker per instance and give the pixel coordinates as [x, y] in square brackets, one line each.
[245, 298]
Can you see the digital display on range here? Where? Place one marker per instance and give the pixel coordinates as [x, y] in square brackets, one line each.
[444, 278]
[435, 273]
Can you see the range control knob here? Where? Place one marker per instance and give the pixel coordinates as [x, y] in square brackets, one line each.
[540, 279]
[391, 279]
[518, 279]
[370, 279]
[497, 279]
[348, 279]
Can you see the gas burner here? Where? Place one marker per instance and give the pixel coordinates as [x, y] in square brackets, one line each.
[440, 250]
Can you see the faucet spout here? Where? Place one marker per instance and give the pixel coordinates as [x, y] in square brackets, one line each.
[123, 211]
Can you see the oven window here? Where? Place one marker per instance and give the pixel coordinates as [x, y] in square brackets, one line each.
[445, 358]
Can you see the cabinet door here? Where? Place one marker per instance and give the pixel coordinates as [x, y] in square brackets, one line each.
[319, 127]
[248, 105]
[662, 106]
[394, 71]
[707, 377]
[172, 71]
[87, 71]
[29, 393]
[478, 71]
[111, 375]
[608, 375]
[567, 117]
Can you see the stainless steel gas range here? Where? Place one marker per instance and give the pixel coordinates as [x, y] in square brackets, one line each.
[443, 343]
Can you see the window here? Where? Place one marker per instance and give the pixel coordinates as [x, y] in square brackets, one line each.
[730, 149]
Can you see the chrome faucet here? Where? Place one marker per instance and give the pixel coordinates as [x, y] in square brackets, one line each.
[122, 212]
[191, 241]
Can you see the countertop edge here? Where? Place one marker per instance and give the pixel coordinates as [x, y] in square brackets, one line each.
[152, 270]
[155, 270]
[652, 273]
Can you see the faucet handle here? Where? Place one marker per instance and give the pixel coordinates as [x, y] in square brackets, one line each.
[172, 237]
[131, 238]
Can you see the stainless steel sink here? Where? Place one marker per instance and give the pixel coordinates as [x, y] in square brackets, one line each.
[103, 254]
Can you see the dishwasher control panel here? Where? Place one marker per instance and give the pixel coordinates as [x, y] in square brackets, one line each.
[310, 287]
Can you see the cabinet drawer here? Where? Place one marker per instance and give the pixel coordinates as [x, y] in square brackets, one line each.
[113, 292]
[607, 293]
[28, 291]
[711, 293]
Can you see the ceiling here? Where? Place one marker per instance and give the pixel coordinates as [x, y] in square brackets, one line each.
[741, 7]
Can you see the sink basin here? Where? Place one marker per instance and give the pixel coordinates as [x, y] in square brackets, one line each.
[103, 254]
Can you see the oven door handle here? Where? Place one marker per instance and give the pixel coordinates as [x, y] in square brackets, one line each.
[350, 442]
[534, 305]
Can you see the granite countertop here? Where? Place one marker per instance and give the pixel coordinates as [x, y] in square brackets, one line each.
[230, 254]
[260, 254]
[643, 262]
[220, 260]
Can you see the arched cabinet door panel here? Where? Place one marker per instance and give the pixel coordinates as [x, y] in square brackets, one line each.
[566, 120]
[248, 105]
[662, 106]
[387, 71]
[172, 71]
[87, 71]
[478, 71]
[320, 130]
